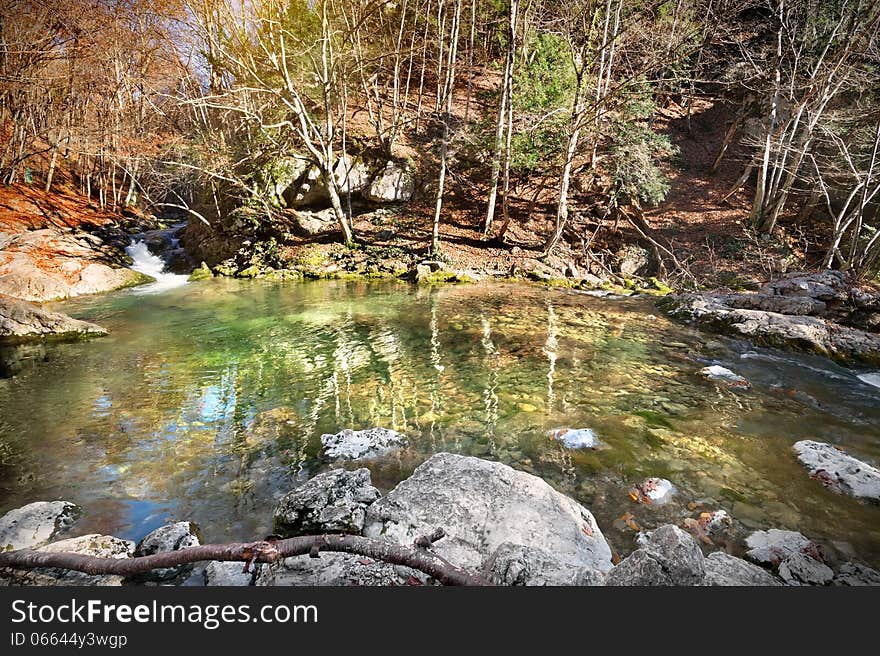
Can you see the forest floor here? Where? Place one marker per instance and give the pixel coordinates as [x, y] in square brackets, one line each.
[708, 234]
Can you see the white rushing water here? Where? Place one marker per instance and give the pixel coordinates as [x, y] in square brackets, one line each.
[152, 265]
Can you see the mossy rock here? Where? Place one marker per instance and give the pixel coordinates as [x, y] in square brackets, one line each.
[135, 278]
[202, 273]
[441, 277]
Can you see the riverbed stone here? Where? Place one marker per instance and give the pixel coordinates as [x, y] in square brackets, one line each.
[719, 374]
[230, 573]
[482, 505]
[576, 438]
[803, 569]
[854, 574]
[722, 569]
[769, 320]
[165, 539]
[22, 321]
[351, 444]
[655, 491]
[334, 569]
[838, 470]
[666, 556]
[36, 523]
[773, 546]
[517, 564]
[101, 546]
[333, 502]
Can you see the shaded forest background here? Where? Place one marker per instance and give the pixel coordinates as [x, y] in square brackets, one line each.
[704, 130]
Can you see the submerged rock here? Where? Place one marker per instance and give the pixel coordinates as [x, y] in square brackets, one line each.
[101, 546]
[839, 471]
[576, 438]
[482, 505]
[165, 539]
[370, 443]
[22, 321]
[666, 556]
[36, 523]
[333, 502]
[726, 570]
[654, 491]
[721, 374]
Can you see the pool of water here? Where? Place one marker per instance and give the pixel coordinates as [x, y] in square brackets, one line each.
[207, 402]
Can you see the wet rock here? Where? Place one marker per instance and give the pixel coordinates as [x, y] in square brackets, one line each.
[223, 573]
[839, 471]
[178, 261]
[726, 570]
[333, 569]
[22, 321]
[870, 379]
[516, 564]
[666, 556]
[333, 502]
[482, 505]
[721, 374]
[654, 491]
[165, 539]
[36, 523]
[799, 312]
[203, 272]
[773, 546]
[709, 525]
[369, 443]
[394, 184]
[801, 569]
[576, 438]
[856, 574]
[101, 546]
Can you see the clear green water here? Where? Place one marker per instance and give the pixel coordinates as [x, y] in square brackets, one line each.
[207, 403]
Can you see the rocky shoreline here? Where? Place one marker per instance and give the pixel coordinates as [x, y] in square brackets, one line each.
[822, 313]
[508, 526]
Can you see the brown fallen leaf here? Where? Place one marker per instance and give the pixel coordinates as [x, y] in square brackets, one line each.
[629, 520]
[697, 529]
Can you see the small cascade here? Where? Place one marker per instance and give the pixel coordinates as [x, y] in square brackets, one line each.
[152, 265]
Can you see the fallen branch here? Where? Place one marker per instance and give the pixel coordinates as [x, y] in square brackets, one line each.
[266, 551]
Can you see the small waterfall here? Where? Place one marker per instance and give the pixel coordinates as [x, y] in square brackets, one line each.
[152, 265]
